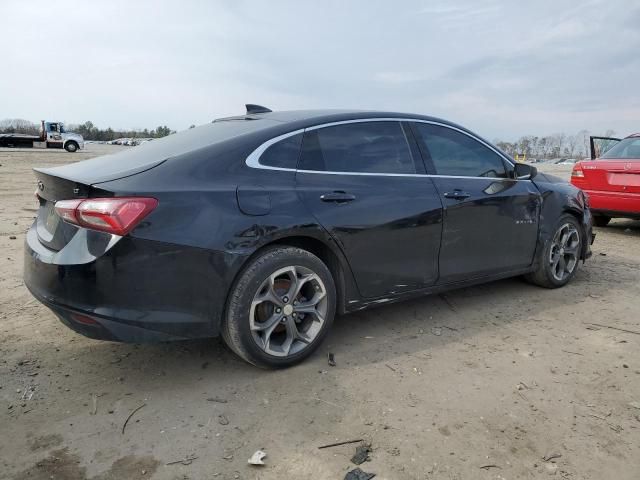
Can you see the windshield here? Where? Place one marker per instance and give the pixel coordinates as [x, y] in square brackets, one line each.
[62, 130]
[629, 148]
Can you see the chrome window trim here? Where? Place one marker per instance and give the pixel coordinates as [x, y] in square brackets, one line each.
[479, 140]
[253, 160]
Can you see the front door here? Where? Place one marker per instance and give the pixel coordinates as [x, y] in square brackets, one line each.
[360, 180]
[490, 217]
[54, 136]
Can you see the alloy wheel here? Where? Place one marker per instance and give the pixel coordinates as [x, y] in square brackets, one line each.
[565, 251]
[288, 311]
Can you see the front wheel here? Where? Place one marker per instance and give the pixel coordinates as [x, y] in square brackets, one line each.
[557, 260]
[71, 147]
[280, 309]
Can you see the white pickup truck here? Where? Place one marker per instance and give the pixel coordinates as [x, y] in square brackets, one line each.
[52, 135]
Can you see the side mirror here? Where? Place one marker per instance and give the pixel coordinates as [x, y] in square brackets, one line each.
[525, 172]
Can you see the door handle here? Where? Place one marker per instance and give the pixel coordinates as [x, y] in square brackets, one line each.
[457, 195]
[337, 197]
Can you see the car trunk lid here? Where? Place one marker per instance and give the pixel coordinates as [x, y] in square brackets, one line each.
[77, 180]
[52, 231]
[612, 175]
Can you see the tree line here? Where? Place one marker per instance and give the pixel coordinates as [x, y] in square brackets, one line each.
[90, 132]
[87, 129]
[558, 145]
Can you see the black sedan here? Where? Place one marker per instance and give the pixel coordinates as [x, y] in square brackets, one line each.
[262, 227]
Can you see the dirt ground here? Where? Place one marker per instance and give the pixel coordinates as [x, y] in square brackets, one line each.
[480, 383]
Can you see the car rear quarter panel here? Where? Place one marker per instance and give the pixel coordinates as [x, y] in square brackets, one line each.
[225, 209]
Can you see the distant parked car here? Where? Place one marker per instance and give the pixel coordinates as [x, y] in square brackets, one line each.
[611, 178]
[263, 226]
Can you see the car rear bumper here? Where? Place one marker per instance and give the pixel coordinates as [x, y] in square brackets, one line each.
[618, 203]
[131, 290]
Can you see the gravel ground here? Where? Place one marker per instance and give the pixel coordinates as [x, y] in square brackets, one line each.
[485, 382]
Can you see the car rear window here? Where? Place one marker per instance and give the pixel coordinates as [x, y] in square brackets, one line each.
[361, 147]
[150, 154]
[629, 149]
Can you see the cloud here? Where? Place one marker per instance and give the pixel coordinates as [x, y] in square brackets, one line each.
[503, 69]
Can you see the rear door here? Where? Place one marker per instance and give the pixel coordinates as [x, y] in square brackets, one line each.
[363, 181]
[490, 217]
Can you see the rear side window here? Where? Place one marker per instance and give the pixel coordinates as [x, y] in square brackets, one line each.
[283, 154]
[361, 147]
[456, 154]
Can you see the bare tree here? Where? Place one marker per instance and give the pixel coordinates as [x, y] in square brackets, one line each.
[18, 125]
[572, 143]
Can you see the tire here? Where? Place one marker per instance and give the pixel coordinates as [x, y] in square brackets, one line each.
[601, 220]
[549, 272]
[71, 147]
[265, 327]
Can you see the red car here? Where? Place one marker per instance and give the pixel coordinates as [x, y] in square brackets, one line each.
[611, 178]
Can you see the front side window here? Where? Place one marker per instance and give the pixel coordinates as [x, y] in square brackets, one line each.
[283, 154]
[361, 147]
[456, 154]
[627, 149]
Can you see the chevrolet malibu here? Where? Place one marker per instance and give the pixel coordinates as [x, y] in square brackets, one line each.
[262, 227]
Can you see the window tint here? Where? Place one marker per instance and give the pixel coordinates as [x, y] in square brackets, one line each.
[363, 147]
[283, 154]
[454, 153]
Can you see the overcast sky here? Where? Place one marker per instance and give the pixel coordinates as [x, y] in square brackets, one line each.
[503, 69]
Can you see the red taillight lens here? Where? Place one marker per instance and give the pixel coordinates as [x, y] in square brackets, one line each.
[83, 319]
[66, 210]
[577, 172]
[117, 215]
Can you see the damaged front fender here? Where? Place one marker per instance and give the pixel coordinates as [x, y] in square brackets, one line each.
[558, 198]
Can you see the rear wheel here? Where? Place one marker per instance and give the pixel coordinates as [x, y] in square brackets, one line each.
[71, 147]
[280, 308]
[557, 261]
[601, 220]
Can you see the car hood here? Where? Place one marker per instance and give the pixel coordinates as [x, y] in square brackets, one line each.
[74, 136]
[545, 177]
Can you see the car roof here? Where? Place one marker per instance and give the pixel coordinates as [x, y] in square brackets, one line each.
[280, 122]
[315, 117]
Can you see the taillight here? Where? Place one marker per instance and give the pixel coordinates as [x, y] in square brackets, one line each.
[117, 215]
[577, 172]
